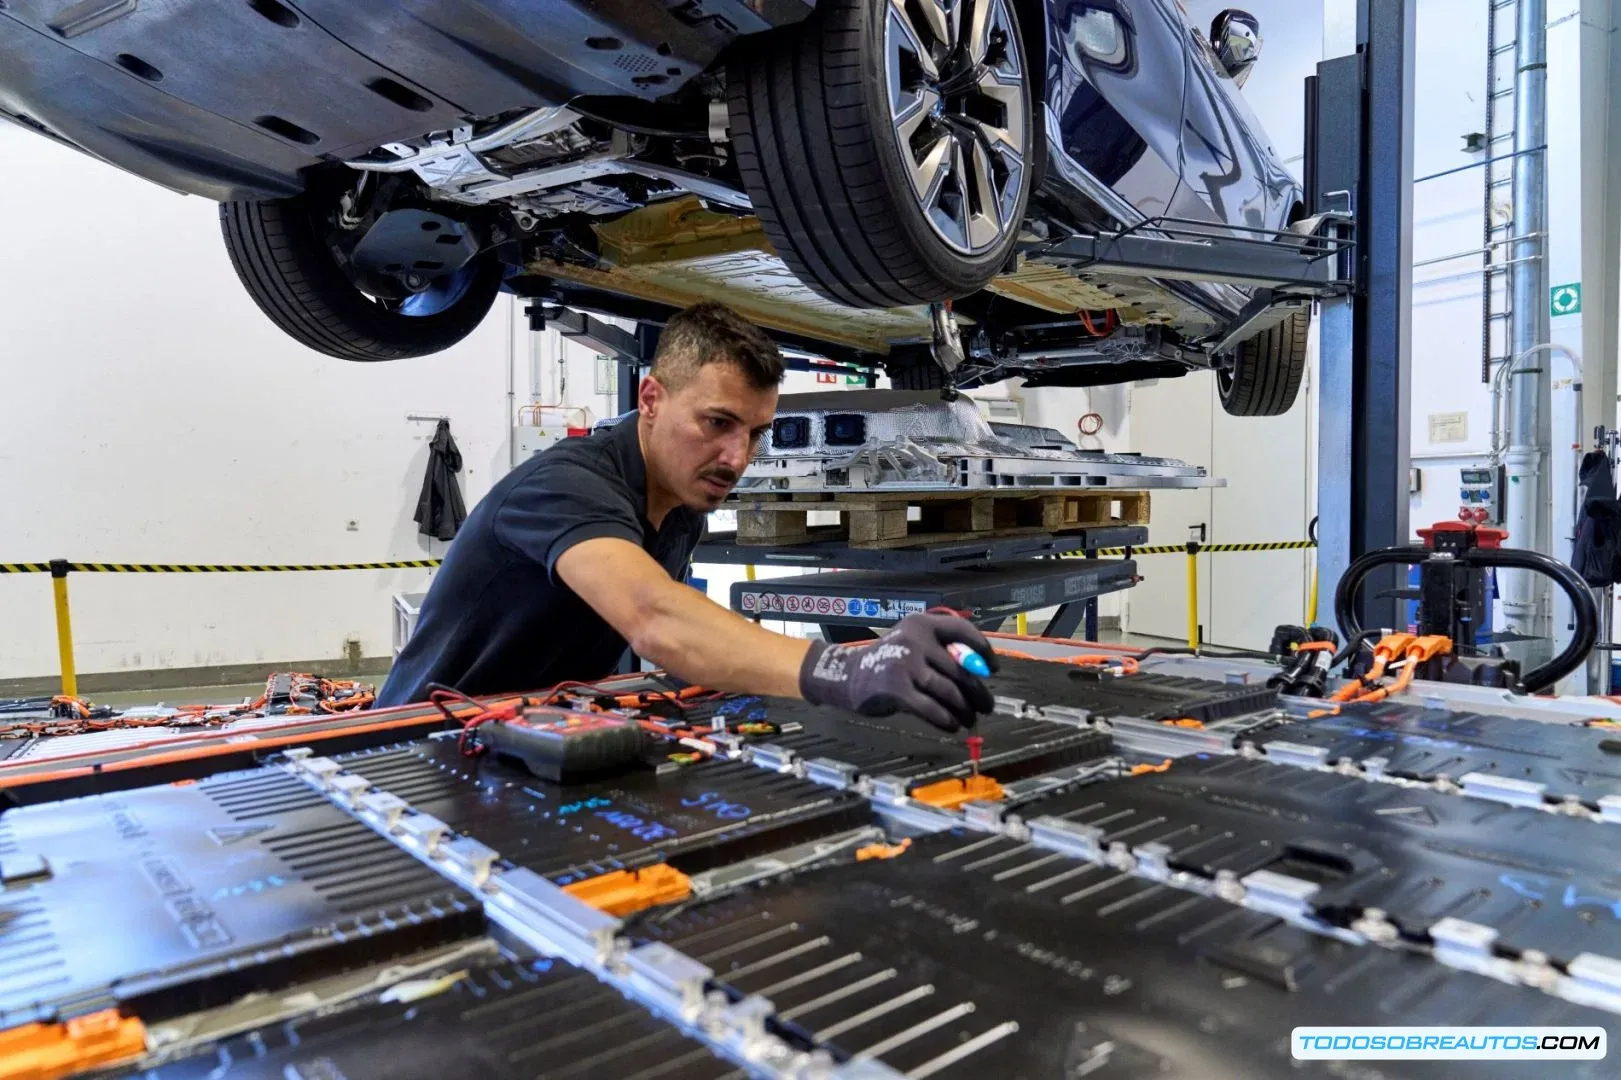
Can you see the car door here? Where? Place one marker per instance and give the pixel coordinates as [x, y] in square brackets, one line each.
[1229, 171]
[1115, 76]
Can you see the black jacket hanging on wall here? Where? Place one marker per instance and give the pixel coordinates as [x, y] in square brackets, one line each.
[440, 510]
[1597, 556]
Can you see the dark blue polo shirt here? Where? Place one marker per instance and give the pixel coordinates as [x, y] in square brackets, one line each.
[496, 618]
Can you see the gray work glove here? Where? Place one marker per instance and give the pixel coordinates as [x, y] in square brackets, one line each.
[907, 670]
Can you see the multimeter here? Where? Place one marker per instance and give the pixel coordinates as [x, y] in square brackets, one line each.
[566, 749]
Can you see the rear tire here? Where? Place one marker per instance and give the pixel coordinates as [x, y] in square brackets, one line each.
[815, 128]
[917, 373]
[295, 279]
[1265, 376]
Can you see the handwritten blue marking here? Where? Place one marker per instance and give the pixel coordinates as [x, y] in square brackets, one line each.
[1527, 887]
[1523, 888]
[718, 807]
[583, 804]
[257, 885]
[638, 827]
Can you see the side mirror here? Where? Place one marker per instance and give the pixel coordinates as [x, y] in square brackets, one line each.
[1236, 37]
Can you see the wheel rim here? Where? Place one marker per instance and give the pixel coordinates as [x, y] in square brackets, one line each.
[957, 104]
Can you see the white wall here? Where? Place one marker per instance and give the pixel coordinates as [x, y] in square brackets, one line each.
[150, 413]
[1449, 102]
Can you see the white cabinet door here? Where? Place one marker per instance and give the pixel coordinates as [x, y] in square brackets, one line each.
[1264, 461]
[1172, 418]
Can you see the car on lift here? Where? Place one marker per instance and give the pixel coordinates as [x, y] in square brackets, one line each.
[886, 182]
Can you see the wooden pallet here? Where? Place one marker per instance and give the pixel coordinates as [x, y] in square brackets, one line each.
[881, 521]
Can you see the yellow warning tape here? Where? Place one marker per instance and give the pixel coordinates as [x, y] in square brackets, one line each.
[219, 568]
[1182, 549]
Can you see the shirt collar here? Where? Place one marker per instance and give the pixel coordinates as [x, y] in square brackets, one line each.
[625, 437]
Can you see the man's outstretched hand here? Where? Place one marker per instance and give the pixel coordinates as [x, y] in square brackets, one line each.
[909, 669]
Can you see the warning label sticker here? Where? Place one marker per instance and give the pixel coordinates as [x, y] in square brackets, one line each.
[859, 607]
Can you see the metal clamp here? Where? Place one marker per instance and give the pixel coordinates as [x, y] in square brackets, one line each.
[1279, 894]
[671, 982]
[1067, 837]
[1504, 789]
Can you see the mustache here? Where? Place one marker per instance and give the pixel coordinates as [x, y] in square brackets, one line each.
[724, 475]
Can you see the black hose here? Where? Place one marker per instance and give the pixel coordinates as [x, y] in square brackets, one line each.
[1225, 654]
[1582, 606]
[1581, 600]
[1353, 646]
[1358, 571]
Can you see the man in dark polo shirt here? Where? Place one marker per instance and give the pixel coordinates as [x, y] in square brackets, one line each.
[583, 548]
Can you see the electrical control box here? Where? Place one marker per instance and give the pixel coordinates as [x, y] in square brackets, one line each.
[1480, 496]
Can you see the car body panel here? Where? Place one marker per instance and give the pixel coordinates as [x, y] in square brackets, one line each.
[1228, 161]
[228, 72]
[1117, 120]
[490, 56]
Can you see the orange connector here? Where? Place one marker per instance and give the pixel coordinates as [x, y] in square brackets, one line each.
[49, 1051]
[1429, 647]
[625, 892]
[1143, 770]
[882, 851]
[1184, 722]
[1391, 647]
[950, 794]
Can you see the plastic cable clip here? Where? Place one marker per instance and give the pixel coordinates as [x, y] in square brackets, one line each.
[385, 805]
[350, 786]
[425, 829]
[474, 858]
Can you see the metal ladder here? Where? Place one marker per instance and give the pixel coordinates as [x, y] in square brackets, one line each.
[1502, 20]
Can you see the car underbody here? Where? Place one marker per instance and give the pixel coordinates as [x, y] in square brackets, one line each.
[625, 224]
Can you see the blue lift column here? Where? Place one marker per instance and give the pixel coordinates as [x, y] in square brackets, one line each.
[1360, 160]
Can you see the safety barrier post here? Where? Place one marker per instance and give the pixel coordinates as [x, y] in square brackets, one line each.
[1193, 594]
[64, 627]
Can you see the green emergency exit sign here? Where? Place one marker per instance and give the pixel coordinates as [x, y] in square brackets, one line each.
[1565, 299]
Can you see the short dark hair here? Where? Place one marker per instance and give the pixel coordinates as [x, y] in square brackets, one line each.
[710, 333]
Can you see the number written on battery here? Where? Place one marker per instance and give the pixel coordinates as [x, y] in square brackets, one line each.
[718, 807]
[640, 828]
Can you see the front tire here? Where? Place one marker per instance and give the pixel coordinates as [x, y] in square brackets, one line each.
[888, 151]
[295, 279]
[1265, 377]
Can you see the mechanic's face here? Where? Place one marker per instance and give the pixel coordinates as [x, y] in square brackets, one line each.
[701, 437]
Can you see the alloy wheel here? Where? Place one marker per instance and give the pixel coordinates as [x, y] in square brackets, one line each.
[957, 104]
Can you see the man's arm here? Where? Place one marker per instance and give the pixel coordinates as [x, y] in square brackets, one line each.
[677, 627]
